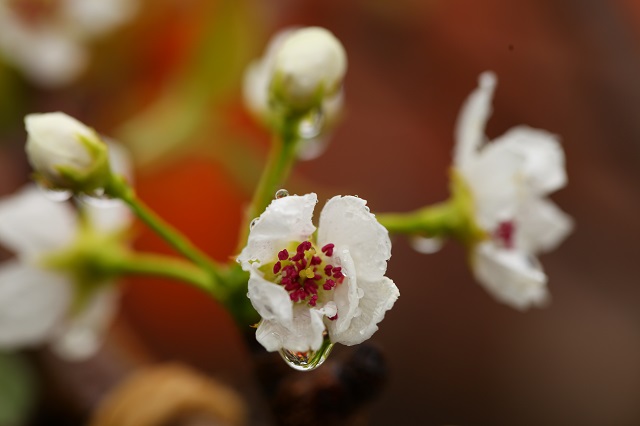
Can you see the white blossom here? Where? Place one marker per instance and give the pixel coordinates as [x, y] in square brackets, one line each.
[509, 179]
[37, 303]
[303, 287]
[302, 68]
[65, 152]
[48, 40]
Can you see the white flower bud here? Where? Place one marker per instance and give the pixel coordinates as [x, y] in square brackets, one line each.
[309, 65]
[65, 153]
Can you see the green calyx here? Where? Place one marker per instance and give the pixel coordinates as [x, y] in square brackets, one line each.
[96, 176]
[88, 261]
[466, 229]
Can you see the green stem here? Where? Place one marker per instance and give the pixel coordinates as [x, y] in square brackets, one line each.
[120, 189]
[439, 220]
[281, 159]
[162, 266]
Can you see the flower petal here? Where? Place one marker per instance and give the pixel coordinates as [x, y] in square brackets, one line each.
[511, 276]
[285, 220]
[80, 336]
[345, 295]
[270, 300]
[31, 224]
[541, 226]
[32, 302]
[347, 223]
[377, 298]
[543, 167]
[472, 120]
[303, 334]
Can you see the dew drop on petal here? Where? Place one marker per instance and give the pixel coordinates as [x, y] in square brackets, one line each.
[253, 223]
[307, 361]
[426, 245]
[56, 194]
[360, 293]
[281, 193]
[311, 125]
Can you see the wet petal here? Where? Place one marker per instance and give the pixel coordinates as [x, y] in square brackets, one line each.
[286, 220]
[347, 223]
[513, 277]
[304, 333]
[270, 300]
[472, 120]
[543, 167]
[377, 298]
[345, 295]
[31, 224]
[541, 226]
[32, 303]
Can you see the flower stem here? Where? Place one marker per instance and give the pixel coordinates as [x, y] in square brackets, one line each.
[162, 266]
[281, 158]
[438, 220]
[119, 188]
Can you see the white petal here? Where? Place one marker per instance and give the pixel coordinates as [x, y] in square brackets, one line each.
[513, 277]
[303, 334]
[541, 226]
[493, 179]
[98, 17]
[31, 224]
[271, 300]
[543, 168]
[32, 303]
[285, 220]
[345, 295]
[347, 223]
[472, 120]
[80, 336]
[377, 298]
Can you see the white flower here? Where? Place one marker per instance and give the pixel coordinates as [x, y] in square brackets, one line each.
[302, 286]
[36, 303]
[46, 39]
[509, 179]
[302, 69]
[65, 152]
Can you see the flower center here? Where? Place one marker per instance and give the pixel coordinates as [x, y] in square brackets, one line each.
[307, 274]
[504, 233]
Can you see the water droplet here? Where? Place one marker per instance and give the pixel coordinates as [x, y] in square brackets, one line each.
[281, 193]
[426, 245]
[311, 125]
[54, 194]
[307, 361]
[253, 223]
[98, 199]
[310, 149]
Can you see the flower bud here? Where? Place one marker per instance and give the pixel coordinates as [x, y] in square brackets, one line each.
[309, 65]
[65, 153]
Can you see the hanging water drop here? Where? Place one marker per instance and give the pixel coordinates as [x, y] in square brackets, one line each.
[281, 193]
[54, 194]
[426, 245]
[307, 361]
[311, 125]
[98, 199]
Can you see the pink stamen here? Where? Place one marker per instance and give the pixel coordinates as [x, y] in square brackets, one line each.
[328, 269]
[283, 255]
[303, 246]
[277, 267]
[315, 260]
[333, 318]
[505, 233]
[328, 249]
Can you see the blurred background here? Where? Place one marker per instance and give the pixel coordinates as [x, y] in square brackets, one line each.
[166, 82]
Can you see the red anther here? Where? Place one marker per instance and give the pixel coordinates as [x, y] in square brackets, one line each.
[338, 275]
[283, 255]
[303, 246]
[291, 286]
[505, 233]
[299, 255]
[328, 249]
[315, 260]
[316, 277]
[313, 300]
[289, 271]
[328, 269]
[303, 263]
[329, 284]
[333, 318]
[277, 267]
[311, 288]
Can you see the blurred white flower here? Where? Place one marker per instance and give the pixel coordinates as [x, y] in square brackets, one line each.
[301, 70]
[37, 304]
[66, 153]
[48, 40]
[509, 179]
[303, 286]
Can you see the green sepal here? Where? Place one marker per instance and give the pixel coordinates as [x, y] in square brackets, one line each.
[97, 176]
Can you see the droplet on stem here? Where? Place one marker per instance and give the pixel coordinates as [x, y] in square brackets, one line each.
[426, 245]
[311, 125]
